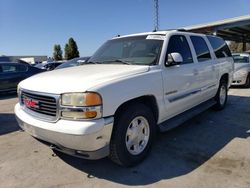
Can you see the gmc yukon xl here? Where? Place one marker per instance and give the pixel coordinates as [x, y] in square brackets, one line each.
[132, 87]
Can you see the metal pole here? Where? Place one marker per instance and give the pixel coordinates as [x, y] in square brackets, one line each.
[156, 16]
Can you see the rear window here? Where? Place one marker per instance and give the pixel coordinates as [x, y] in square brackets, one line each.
[220, 47]
[239, 58]
[201, 48]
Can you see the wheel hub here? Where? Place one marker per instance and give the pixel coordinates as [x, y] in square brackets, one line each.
[137, 135]
[223, 93]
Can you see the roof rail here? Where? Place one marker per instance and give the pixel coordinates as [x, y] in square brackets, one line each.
[180, 29]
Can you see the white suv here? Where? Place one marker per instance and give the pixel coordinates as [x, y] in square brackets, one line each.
[131, 87]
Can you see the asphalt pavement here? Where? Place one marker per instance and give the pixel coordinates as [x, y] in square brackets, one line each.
[210, 150]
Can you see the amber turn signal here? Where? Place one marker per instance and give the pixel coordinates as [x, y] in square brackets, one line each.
[93, 99]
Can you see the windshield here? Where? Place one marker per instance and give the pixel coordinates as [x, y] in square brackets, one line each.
[241, 58]
[139, 50]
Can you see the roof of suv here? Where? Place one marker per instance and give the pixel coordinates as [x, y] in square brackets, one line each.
[162, 33]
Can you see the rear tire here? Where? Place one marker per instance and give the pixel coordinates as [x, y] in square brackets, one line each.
[133, 134]
[221, 96]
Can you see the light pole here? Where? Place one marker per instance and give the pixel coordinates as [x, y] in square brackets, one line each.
[156, 15]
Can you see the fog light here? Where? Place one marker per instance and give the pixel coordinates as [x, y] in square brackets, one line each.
[73, 115]
[79, 114]
[90, 114]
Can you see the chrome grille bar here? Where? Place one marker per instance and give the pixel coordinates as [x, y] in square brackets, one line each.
[46, 105]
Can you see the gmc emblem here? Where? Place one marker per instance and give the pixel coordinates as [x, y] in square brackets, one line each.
[31, 103]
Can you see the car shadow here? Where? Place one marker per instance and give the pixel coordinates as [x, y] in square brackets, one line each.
[179, 151]
[8, 95]
[8, 123]
[238, 87]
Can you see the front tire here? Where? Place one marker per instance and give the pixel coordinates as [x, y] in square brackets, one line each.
[133, 134]
[221, 96]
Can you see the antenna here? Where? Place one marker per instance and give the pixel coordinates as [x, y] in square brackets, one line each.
[156, 15]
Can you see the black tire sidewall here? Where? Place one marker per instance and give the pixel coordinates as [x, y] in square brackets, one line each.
[248, 81]
[120, 128]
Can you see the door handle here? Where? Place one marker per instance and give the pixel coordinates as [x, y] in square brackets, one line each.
[195, 72]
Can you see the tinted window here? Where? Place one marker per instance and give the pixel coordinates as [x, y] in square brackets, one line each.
[220, 47]
[201, 48]
[9, 68]
[21, 68]
[179, 44]
[14, 68]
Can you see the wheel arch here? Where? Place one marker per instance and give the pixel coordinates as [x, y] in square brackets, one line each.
[148, 100]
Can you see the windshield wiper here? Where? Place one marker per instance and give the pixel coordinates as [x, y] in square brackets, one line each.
[118, 61]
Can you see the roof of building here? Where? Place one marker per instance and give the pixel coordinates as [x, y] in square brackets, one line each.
[234, 29]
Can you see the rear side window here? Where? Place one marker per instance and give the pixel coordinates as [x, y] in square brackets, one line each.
[22, 68]
[8, 68]
[220, 47]
[14, 68]
[201, 48]
[179, 44]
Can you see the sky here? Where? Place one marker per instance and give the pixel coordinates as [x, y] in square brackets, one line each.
[32, 27]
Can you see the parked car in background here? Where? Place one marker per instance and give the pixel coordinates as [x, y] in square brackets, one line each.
[74, 62]
[12, 73]
[48, 66]
[241, 69]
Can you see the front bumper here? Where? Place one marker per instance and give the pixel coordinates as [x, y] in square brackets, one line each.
[239, 80]
[87, 139]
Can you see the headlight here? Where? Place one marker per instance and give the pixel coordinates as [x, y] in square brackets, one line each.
[81, 99]
[81, 105]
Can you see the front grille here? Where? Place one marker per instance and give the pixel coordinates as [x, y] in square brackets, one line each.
[40, 105]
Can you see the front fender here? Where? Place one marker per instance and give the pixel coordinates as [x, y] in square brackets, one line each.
[117, 92]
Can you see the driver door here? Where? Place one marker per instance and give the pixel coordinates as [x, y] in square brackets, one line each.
[180, 83]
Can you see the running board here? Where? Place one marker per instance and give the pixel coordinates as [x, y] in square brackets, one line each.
[181, 118]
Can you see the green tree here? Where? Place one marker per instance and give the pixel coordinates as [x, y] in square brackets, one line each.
[57, 55]
[71, 49]
[66, 52]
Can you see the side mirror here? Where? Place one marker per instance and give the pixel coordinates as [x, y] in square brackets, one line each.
[174, 59]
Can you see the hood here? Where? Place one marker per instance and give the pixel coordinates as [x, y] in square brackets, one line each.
[238, 66]
[80, 78]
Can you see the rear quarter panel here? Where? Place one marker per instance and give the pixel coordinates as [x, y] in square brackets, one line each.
[226, 66]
